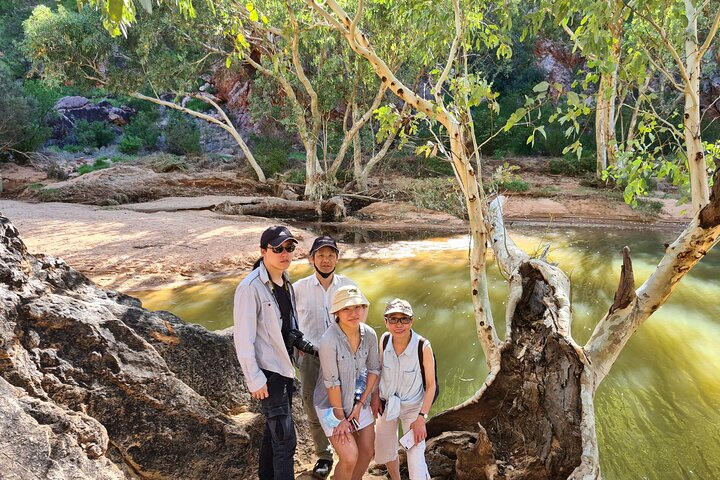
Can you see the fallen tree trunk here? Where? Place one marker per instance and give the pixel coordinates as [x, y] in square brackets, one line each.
[333, 208]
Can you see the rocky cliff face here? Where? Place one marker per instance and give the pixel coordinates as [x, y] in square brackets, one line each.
[94, 386]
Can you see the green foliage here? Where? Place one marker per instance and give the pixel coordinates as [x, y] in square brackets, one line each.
[272, 154]
[433, 165]
[441, 194]
[572, 166]
[163, 51]
[93, 134]
[46, 95]
[20, 128]
[515, 186]
[199, 106]
[296, 175]
[144, 125]
[506, 178]
[98, 164]
[72, 148]
[182, 135]
[130, 144]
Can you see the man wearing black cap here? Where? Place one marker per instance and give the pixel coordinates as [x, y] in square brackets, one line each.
[314, 298]
[264, 314]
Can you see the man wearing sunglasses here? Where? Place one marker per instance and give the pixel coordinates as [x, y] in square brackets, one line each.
[264, 313]
[314, 299]
[406, 392]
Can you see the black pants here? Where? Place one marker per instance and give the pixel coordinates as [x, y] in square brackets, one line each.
[277, 450]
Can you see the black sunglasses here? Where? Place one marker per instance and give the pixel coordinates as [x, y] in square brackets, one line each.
[404, 320]
[290, 248]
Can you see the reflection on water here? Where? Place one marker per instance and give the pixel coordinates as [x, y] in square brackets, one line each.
[658, 412]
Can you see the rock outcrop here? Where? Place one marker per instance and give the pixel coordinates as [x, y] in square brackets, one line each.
[94, 386]
[71, 109]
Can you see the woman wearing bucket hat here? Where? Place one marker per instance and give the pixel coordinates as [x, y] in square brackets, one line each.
[349, 369]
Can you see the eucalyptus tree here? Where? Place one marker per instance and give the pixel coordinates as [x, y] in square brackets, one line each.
[164, 53]
[325, 90]
[676, 37]
[314, 76]
[533, 416]
[596, 28]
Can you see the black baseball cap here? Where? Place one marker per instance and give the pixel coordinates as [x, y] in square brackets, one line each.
[276, 236]
[323, 241]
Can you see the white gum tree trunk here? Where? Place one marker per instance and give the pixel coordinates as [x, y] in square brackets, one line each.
[693, 139]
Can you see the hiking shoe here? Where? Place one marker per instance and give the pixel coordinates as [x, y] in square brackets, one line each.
[322, 468]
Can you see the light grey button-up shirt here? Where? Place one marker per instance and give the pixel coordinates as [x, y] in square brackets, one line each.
[313, 305]
[257, 333]
[340, 366]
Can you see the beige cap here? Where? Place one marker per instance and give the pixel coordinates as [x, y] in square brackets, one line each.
[347, 296]
[399, 306]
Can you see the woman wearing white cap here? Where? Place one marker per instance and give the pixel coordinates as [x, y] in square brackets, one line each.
[406, 393]
[349, 368]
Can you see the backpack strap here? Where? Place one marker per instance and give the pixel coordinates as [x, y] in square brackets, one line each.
[421, 345]
[384, 341]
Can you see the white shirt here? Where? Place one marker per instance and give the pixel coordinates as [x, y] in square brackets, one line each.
[401, 376]
[313, 304]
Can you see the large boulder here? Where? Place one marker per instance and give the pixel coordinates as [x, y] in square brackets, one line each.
[71, 109]
[94, 386]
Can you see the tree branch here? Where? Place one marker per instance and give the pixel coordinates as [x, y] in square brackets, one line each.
[452, 54]
[625, 293]
[615, 329]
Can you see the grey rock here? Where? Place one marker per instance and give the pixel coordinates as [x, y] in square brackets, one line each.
[94, 386]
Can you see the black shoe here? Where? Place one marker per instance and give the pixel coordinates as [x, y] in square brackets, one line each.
[322, 468]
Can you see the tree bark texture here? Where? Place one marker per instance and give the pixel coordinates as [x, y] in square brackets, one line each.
[531, 413]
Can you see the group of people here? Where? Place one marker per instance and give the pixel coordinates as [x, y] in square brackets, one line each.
[348, 378]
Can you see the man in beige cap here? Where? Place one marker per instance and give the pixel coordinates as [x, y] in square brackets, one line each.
[406, 392]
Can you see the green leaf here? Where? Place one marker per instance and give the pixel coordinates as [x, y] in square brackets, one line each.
[254, 16]
[115, 10]
[541, 87]
[147, 5]
[228, 62]
[573, 98]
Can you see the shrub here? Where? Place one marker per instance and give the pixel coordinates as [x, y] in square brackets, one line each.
[20, 127]
[144, 126]
[272, 154]
[98, 164]
[93, 134]
[130, 144]
[296, 175]
[182, 136]
[514, 186]
[441, 194]
[199, 105]
[570, 165]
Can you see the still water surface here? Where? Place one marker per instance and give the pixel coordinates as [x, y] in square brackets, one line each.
[658, 412]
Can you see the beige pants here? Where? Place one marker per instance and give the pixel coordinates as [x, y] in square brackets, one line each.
[386, 442]
[309, 371]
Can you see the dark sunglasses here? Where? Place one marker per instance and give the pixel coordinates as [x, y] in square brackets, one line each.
[394, 320]
[290, 248]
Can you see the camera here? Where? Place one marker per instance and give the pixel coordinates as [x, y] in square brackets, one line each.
[295, 339]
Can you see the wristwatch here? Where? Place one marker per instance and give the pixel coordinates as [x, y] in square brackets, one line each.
[424, 415]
